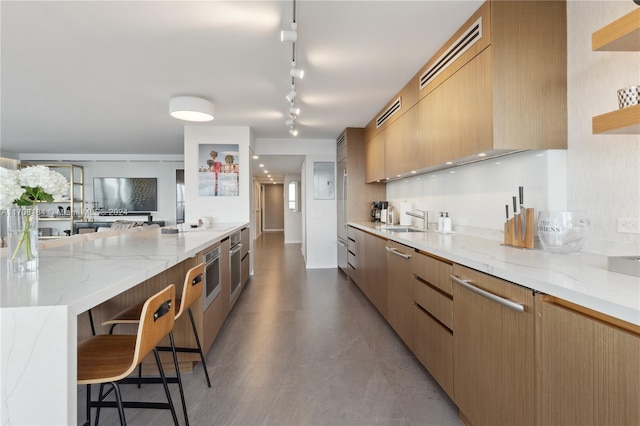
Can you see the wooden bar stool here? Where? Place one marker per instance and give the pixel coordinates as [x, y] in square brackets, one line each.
[191, 291]
[110, 358]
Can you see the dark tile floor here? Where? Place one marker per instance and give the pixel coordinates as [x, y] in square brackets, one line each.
[301, 347]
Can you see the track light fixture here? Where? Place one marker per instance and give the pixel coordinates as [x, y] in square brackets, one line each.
[291, 95]
[296, 73]
[288, 35]
[295, 111]
[293, 131]
[289, 122]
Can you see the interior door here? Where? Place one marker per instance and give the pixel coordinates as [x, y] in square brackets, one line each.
[273, 207]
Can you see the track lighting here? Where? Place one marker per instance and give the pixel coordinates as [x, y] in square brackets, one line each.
[294, 111]
[293, 131]
[296, 73]
[289, 122]
[291, 95]
[288, 35]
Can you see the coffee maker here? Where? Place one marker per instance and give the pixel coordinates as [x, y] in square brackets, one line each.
[376, 210]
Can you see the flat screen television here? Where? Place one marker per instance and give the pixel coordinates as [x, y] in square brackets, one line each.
[126, 195]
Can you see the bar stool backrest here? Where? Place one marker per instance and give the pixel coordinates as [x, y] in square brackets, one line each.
[192, 288]
[156, 322]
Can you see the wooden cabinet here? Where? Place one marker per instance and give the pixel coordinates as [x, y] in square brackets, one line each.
[374, 158]
[402, 145]
[493, 350]
[399, 290]
[622, 35]
[456, 118]
[589, 366]
[358, 196]
[355, 256]
[511, 96]
[433, 318]
[368, 266]
[376, 271]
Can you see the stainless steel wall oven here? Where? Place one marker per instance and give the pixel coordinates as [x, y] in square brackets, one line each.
[212, 276]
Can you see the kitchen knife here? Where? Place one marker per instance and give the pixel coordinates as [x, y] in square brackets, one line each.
[523, 212]
[515, 209]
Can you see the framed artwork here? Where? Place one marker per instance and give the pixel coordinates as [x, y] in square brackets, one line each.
[218, 170]
[323, 180]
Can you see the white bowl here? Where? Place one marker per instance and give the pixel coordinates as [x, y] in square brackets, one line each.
[563, 232]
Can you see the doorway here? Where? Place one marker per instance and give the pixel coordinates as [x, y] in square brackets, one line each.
[273, 211]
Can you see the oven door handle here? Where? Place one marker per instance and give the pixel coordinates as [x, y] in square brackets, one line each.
[236, 249]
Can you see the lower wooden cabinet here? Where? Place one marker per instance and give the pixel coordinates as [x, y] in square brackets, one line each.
[493, 350]
[589, 369]
[399, 290]
[433, 318]
[376, 272]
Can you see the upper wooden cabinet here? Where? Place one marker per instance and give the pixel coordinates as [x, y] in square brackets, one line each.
[360, 196]
[498, 85]
[620, 35]
[402, 150]
[374, 158]
[511, 96]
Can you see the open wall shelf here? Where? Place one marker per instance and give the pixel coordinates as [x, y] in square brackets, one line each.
[622, 35]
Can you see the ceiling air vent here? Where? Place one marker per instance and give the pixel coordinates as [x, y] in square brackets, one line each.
[340, 140]
[466, 40]
[393, 108]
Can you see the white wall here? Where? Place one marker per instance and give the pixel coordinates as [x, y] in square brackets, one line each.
[318, 218]
[292, 220]
[603, 171]
[475, 195]
[220, 209]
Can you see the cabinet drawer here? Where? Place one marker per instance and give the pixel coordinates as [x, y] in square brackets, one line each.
[433, 271]
[351, 245]
[434, 302]
[433, 346]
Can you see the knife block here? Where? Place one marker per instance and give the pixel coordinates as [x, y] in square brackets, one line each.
[513, 235]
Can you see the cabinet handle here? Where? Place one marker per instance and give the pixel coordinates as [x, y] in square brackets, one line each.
[504, 302]
[397, 253]
[340, 243]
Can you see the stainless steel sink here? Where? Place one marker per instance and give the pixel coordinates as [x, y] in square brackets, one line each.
[401, 229]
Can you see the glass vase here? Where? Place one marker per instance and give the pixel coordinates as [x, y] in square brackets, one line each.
[22, 239]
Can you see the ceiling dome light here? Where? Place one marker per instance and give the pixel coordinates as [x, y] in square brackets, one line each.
[191, 108]
[291, 95]
[294, 111]
[296, 73]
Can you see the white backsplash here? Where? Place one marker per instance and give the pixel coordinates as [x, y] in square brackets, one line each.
[475, 195]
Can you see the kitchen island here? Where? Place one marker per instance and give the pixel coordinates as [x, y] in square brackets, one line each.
[39, 312]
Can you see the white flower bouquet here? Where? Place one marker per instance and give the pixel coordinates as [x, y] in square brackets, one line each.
[24, 188]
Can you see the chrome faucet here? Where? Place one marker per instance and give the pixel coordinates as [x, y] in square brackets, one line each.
[423, 216]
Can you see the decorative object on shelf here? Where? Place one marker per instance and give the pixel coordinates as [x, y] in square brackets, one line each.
[563, 232]
[20, 190]
[629, 96]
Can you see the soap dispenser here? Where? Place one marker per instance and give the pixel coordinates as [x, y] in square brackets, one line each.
[446, 222]
[441, 222]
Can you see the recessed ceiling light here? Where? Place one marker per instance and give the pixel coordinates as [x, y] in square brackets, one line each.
[261, 165]
[266, 171]
[255, 157]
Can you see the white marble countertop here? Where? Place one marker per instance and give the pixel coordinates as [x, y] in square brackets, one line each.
[83, 275]
[582, 278]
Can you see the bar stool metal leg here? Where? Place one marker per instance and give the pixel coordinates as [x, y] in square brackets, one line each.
[195, 334]
[166, 386]
[177, 367]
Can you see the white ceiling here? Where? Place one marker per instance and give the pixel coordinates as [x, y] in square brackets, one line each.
[89, 77]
